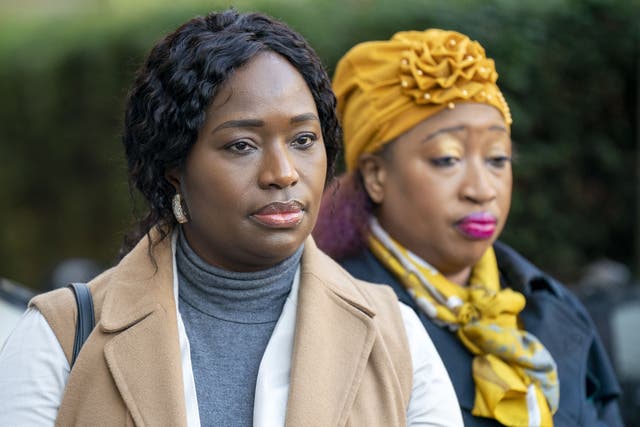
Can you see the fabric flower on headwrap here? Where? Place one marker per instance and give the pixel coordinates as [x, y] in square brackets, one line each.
[384, 88]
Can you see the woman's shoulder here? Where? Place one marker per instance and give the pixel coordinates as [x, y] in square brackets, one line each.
[341, 280]
[59, 309]
[61, 300]
[379, 302]
[524, 276]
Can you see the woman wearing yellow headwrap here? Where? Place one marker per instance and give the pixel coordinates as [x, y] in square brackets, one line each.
[426, 194]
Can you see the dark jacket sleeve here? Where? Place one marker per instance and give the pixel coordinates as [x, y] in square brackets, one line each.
[602, 386]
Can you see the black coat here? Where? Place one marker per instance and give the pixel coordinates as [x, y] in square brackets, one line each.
[588, 386]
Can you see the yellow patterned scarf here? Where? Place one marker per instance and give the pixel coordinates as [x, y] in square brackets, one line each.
[515, 376]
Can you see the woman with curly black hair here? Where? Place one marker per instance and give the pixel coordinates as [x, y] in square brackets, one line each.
[222, 310]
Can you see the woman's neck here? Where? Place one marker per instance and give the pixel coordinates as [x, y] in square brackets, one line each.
[243, 297]
[459, 277]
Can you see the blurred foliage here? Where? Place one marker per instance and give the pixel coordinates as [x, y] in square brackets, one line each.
[569, 70]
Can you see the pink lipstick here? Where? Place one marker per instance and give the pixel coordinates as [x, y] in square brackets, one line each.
[280, 214]
[478, 225]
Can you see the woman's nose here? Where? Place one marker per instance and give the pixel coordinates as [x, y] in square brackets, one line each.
[278, 168]
[478, 185]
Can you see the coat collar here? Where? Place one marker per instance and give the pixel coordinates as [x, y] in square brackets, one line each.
[334, 334]
[138, 285]
[144, 355]
[520, 274]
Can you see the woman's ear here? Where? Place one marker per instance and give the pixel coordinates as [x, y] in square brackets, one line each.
[173, 176]
[372, 169]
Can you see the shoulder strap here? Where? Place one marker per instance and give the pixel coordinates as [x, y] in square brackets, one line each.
[86, 320]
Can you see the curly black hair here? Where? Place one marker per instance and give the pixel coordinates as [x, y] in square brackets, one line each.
[173, 89]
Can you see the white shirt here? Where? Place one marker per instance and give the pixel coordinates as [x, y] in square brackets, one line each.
[9, 316]
[34, 371]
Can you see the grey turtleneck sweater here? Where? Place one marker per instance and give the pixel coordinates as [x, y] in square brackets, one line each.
[229, 318]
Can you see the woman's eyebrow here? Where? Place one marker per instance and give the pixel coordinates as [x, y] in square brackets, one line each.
[498, 128]
[242, 123]
[444, 130]
[304, 118]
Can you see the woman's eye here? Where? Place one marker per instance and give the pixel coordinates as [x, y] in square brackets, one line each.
[304, 141]
[499, 161]
[239, 147]
[444, 161]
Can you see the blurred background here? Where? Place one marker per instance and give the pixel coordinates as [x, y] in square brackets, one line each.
[568, 68]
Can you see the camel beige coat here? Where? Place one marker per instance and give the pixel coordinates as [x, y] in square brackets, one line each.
[351, 364]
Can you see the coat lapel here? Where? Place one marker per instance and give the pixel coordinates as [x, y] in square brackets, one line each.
[333, 339]
[144, 356]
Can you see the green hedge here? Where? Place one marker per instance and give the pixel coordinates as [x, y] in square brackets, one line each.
[569, 70]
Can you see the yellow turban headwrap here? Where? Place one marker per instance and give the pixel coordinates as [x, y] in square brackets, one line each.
[385, 88]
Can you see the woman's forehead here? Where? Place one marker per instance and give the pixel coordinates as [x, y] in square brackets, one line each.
[266, 81]
[474, 115]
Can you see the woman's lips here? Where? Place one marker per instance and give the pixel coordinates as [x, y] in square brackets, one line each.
[280, 214]
[478, 226]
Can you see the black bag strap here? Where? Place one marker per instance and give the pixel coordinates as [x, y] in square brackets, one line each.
[86, 320]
